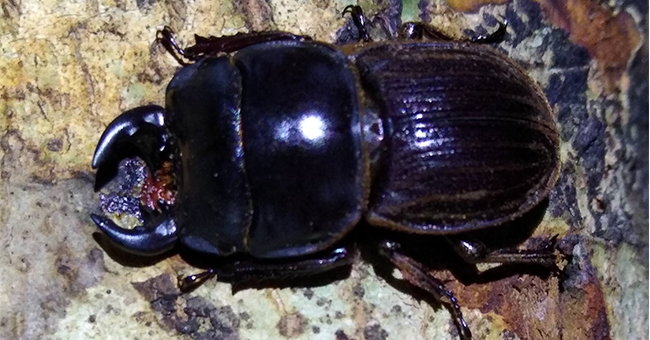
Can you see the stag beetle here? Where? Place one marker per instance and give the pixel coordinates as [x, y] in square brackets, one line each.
[279, 145]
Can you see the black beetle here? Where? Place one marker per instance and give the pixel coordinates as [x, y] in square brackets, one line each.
[280, 145]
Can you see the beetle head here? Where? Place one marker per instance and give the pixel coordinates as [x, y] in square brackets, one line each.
[138, 132]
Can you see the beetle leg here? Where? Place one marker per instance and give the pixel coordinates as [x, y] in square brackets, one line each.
[244, 271]
[214, 45]
[420, 31]
[227, 44]
[359, 21]
[140, 130]
[473, 251]
[167, 39]
[415, 273]
[148, 240]
[494, 37]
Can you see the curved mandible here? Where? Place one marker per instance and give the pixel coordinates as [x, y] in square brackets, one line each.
[148, 240]
[137, 132]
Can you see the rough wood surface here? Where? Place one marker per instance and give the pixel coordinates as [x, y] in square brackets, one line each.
[67, 68]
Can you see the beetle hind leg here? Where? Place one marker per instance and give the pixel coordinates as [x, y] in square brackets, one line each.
[473, 251]
[418, 275]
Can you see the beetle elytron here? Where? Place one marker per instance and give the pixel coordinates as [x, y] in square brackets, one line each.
[280, 145]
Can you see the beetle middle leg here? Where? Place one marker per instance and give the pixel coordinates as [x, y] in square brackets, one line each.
[359, 20]
[420, 31]
[262, 270]
[418, 275]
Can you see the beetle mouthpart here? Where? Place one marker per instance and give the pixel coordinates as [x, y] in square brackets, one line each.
[140, 131]
[150, 240]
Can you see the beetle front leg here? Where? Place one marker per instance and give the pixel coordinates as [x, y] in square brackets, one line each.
[245, 271]
[214, 45]
[473, 251]
[419, 276]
